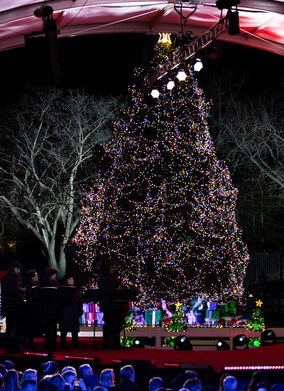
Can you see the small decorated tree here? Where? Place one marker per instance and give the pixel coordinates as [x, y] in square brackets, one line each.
[256, 323]
[177, 323]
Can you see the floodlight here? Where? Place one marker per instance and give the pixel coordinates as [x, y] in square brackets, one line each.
[240, 342]
[182, 343]
[267, 337]
[198, 65]
[222, 345]
[155, 93]
[45, 11]
[138, 343]
[170, 85]
[181, 76]
[233, 22]
[226, 4]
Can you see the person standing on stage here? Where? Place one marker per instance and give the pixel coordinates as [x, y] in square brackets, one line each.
[33, 320]
[12, 300]
[114, 311]
[71, 310]
[51, 306]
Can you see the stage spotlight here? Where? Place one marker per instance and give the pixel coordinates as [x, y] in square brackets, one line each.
[233, 22]
[170, 85]
[267, 337]
[181, 76]
[138, 343]
[155, 93]
[240, 342]
[198, 65]
[45, 11]
[226, 4]
[182, 343]
[222, 345]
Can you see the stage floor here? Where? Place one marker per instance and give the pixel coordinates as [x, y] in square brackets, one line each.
[91, 351]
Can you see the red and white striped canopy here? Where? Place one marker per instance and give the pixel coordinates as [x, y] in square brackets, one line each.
[261, 21]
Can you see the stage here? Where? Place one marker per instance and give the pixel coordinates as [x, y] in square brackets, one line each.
[166, 362]
[205, 354]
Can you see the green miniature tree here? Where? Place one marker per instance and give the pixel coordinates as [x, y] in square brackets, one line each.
[256, 323]
[176, 323]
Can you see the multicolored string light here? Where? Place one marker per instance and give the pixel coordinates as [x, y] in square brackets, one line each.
[164, 207]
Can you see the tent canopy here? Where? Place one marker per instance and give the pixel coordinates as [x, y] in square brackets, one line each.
[261, 21]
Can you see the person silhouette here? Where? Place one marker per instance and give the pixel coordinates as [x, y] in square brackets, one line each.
[114, 311]
[12, 306]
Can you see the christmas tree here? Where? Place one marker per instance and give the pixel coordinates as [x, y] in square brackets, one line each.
[177, 322]
[256, 323]
[163, 207]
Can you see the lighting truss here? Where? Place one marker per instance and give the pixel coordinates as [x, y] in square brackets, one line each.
[184, 53]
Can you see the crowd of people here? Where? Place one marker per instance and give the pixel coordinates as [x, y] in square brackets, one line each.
[49, 376]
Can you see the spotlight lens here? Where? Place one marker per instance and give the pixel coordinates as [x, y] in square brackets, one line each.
[155, 93]
[198, 66]
[268, 337]
[182, 343]
[170, 85]
[222, 345]
[181, 76]
[240, 342]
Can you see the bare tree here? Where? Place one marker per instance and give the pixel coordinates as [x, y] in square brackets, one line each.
[255, 131]
[47, 151]
[249, 134]
[248, 127]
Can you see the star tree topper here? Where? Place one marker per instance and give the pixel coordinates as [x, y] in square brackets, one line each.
[178, 305]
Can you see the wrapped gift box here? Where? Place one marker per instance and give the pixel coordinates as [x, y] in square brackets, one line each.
[191, 318]
[228, 309]
[233, 308]
[153, 317]
[213, 314]
[88, 317]
[99, 317]
[223, 308]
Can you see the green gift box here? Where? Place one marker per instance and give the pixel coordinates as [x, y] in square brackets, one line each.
[153, 317]
[213, 314]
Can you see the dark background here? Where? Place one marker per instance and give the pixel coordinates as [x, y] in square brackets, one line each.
[104, 64]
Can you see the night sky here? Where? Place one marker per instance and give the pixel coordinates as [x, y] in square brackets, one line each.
[104, 63]
[99, 64]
